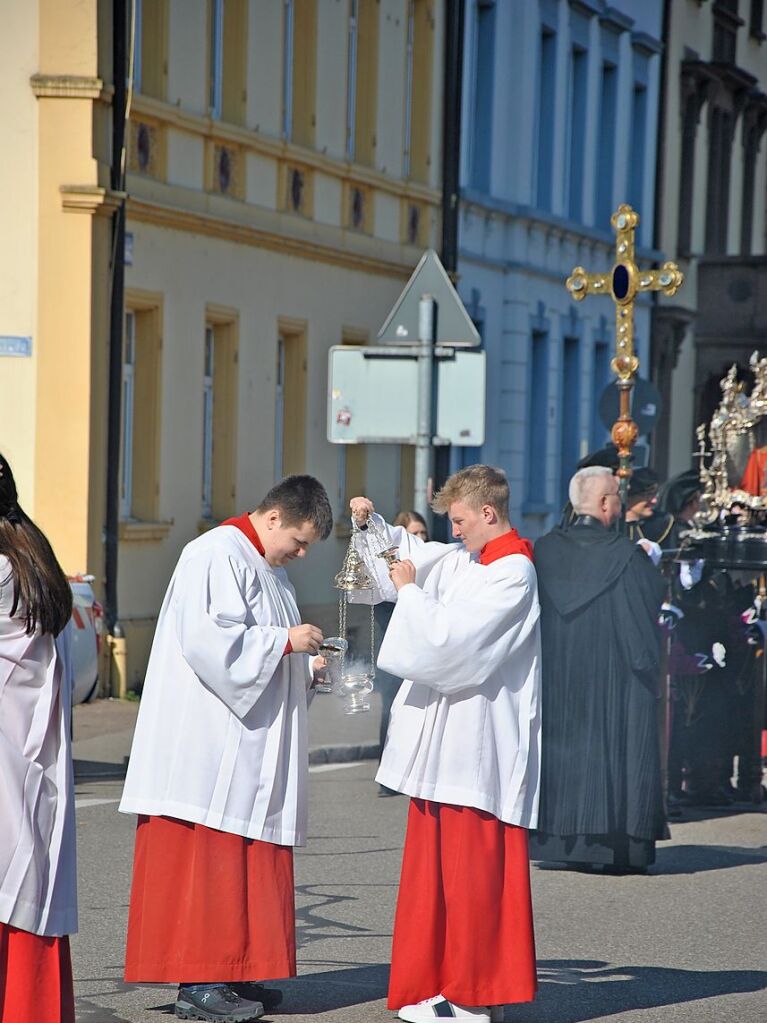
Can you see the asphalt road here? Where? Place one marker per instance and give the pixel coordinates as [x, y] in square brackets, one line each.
[687, 944]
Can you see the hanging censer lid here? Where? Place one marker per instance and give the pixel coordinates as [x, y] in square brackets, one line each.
[353, 575]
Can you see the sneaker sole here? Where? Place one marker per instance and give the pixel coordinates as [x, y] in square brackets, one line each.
[192, 1012]
[413, 1017]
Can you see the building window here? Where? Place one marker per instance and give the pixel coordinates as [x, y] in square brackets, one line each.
[140, 428]
[126, 432]
[718, 191]
[754, 122]
[603, 205]
[351, 80]
[547, 79]
[418, 94]
[600, 378]
[538, 418]
[299, 71]
[726, 24]
[362, 81]
[150, 47]
[227, 59]
[219, 418]
[577, 131]
[484, 59]
[756, 20]
[215, 56]
[638, 137]
[570, 426]
[234, 61]
[290, 399]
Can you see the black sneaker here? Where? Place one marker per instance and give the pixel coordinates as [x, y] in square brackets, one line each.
[218, 1005]
[269, 997]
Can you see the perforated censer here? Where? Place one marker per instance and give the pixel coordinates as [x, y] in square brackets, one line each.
[354, 576]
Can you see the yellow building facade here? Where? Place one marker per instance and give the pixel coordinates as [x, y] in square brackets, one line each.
[283, 168]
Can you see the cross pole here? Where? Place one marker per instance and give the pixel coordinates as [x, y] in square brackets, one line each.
[622, 284]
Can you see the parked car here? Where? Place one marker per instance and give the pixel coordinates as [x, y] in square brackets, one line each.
[85, 629]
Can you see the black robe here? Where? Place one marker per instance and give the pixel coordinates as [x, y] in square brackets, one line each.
[601, 790]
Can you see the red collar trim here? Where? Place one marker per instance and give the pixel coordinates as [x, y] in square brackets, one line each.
[243, 523]
[502, 546]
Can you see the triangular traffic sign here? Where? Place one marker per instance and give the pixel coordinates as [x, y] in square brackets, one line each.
[453, 323]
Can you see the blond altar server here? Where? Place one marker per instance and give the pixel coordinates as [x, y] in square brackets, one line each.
[38, 882]
[218, 772]
[463, 743]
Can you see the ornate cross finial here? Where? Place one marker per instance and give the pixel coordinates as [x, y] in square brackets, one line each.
[623, 283]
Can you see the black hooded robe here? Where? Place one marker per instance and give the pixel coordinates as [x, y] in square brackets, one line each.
[601, 789]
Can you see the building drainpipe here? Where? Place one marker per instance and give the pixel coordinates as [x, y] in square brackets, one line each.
[115, 638]
[451, 170]
[659, 459]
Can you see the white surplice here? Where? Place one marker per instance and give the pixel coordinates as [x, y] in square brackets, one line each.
[465, 725]
[38, 879]
[221, 736]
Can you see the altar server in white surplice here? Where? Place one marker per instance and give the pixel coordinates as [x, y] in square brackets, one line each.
[463, 743]
[218, 772]
[38, 879]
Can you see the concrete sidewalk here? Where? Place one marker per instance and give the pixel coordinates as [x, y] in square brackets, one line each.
[103, 732]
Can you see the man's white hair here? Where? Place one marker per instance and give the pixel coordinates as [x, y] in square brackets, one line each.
[584, 486]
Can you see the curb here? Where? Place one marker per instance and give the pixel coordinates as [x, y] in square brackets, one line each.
[341, 753]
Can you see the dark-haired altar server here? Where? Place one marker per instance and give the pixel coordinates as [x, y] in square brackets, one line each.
[219, 767]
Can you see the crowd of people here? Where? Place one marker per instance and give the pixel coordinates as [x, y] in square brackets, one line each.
[523, 690]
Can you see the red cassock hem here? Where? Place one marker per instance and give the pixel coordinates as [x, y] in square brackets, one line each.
[35, 978]
[464, 921]
[208, 906]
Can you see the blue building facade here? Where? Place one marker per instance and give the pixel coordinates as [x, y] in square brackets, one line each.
[560, 125]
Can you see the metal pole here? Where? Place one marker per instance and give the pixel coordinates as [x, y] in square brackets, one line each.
[116, 299]
[423, 446]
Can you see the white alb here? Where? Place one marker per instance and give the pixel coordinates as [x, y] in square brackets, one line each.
[465, 725]
[221, 736]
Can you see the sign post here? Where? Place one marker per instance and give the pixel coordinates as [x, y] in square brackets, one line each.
[423, 444]
[386, 394]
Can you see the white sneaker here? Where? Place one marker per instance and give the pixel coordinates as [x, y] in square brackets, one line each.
[439, 1007]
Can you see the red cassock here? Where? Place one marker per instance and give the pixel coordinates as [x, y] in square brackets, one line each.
[38, 973]
[208, 906]
[464, 921]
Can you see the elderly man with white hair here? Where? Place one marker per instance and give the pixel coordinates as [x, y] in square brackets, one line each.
[601, 794]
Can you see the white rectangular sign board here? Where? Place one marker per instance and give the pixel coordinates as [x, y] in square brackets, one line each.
[373, 396]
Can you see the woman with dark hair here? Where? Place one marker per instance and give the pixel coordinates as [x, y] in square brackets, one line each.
[38, 895]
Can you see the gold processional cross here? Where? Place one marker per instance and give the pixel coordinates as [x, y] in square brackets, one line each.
[622, 284]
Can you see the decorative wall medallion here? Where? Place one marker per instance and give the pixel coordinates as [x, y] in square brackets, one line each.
[357, 208]
[296, 189]
[413, 223]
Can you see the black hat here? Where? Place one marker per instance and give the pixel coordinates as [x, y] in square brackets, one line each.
[680, 490]
[606, 456]
[643, 481]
